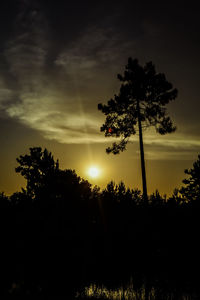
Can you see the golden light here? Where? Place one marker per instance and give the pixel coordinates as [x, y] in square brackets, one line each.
[93, 172]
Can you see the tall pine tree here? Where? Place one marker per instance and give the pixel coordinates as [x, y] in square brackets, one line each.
[141, 102]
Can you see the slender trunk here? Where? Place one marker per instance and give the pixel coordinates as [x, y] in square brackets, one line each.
[142, 156]
[146, 293]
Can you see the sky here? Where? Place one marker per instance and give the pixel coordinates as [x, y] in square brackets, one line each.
[59, 59]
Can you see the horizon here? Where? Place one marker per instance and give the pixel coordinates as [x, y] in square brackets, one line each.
[55, 70]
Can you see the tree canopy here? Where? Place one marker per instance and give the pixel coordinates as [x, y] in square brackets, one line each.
[46, 179]
[144, 93]
[36, 168]
[191, 190]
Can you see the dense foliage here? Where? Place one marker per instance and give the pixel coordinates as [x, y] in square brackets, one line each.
[143, 96]
[191, 190]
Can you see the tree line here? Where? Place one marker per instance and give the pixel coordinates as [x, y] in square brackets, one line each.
[60, 224]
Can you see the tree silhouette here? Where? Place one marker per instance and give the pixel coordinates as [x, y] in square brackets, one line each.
[141, 102]
[36, 168]
[191, 190]
[45, 180]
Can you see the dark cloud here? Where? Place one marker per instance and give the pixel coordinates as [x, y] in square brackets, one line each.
[60, 57]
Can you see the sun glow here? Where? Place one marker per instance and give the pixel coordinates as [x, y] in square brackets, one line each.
[93, 172]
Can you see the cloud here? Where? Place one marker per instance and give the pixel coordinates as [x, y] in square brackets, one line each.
[6, 95]
[43, 115]
[62, 110]
[61, 102]
[93, 51]
[175, 146]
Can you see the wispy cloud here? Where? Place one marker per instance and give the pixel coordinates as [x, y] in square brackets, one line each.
[61, 103]
[96, 47]
[63, 114]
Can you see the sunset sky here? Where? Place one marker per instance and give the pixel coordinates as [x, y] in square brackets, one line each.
[59, 59]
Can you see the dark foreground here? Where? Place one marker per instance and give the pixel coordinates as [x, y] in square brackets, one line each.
[153, 251]
[60, 237]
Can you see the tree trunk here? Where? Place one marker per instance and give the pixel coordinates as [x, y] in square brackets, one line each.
[142, 156]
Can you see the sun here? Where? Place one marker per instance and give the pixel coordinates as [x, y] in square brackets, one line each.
[93, 172]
